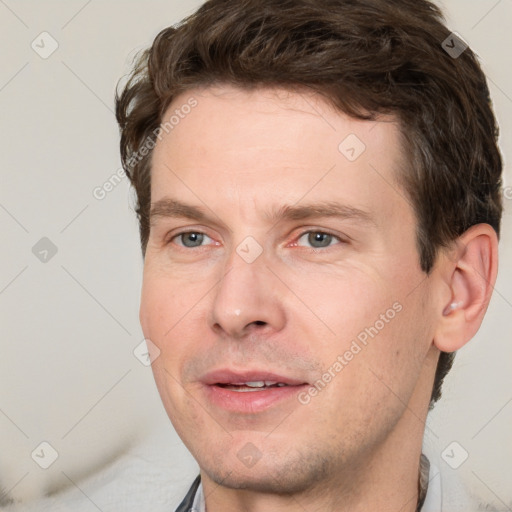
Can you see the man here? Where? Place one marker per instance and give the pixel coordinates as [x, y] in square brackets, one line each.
[318, 191]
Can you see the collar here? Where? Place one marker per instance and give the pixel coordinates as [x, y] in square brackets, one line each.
[423, 481]
[189, 501]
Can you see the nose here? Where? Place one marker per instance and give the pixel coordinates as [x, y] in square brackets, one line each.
[248, 299]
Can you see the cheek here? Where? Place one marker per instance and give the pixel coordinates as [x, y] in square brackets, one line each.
[350, 304]
[164, 317]
[395, 354]
[152, 304]
[165, 303]
[377, 380]
[172, 316]
[379, 331]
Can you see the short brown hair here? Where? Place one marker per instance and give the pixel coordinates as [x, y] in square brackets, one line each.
[366, 57]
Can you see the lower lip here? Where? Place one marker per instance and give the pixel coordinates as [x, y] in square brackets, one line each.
[251, 401]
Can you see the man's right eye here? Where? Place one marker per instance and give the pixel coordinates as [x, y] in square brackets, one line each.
[189, 239]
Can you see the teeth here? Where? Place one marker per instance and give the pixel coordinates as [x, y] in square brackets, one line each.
[256, 384]
[261, 383]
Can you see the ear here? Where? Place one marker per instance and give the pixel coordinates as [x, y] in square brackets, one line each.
[470, 275]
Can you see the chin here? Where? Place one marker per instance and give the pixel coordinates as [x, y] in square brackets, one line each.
[271, 476]
[256, 483]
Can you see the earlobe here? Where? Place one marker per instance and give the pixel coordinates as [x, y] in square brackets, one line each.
[471, 277]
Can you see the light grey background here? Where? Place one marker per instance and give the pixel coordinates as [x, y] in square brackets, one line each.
[69, 326]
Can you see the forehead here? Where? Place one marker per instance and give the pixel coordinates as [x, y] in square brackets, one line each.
[261, 112]
[274, 145]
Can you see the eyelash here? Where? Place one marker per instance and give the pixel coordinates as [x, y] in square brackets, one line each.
[340, 239]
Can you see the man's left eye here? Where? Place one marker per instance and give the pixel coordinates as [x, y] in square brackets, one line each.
[319, 239]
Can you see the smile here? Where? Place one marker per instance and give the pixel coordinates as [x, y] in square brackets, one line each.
[252, 386]
[249, 392]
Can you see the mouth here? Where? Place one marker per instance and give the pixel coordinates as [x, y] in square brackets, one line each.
[258, 385]
[249, 392]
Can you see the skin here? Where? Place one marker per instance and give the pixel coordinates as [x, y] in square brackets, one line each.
[301, 303]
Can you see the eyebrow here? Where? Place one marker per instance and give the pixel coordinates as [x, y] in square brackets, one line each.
[168, 207]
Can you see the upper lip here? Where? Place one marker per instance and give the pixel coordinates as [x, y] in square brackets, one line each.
[226, 376]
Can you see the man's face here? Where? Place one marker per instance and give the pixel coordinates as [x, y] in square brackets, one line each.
[335, 307]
